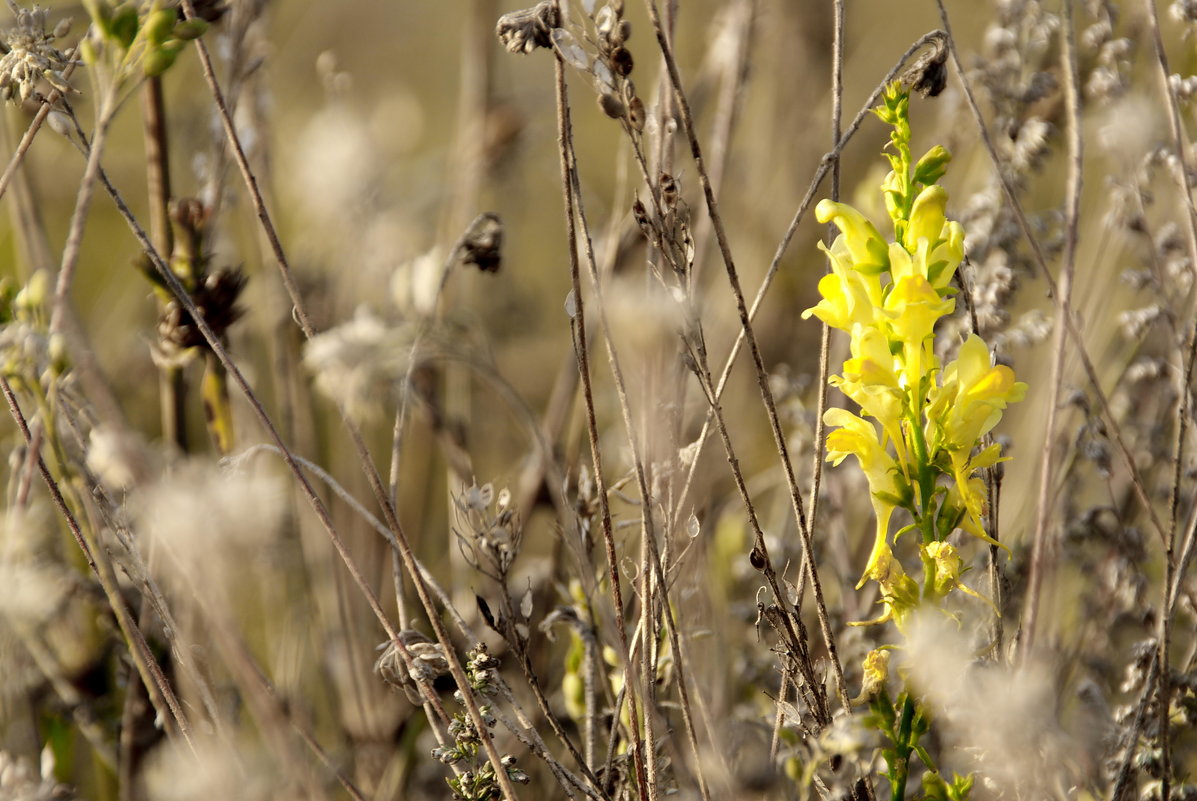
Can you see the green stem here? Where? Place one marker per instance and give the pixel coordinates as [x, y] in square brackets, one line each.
[903, 748]
[925, 475]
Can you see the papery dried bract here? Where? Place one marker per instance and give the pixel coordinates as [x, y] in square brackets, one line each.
[527, 29]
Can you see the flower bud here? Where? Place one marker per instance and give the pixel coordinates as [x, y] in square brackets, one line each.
[931, 167]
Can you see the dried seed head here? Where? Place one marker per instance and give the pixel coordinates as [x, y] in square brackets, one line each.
[669, 190]
[1184, 11]
[427, 664]
[527, 29]
[606, 23]
[757, 559]
[482, 244]
[30, 55]
[207, 10]
[929, 73]
[640, 215]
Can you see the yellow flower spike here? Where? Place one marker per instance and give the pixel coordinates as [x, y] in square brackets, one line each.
[870, 253]
[927, 217]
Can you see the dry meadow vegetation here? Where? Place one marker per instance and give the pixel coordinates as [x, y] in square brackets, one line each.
[413, 400]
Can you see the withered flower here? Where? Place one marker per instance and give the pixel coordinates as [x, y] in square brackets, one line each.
[529, 28]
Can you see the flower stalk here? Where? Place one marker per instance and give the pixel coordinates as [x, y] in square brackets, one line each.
[918, 436]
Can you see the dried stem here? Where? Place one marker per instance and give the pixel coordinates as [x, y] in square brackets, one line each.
[1043, 553]
[565, 151]
[1114, 429]
[161, 695]
[762, 376]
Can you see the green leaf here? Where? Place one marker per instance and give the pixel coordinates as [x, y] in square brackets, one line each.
[87, 51]
[934, 787]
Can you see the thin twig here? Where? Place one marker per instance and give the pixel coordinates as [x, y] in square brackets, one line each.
[1043, 553]
[1183, 402]
[779, 439]
[161, 695]
[1114, 429]
[578, 325]
[783, 245]
[251, 181]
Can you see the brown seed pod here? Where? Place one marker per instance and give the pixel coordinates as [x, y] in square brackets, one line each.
[612, 106]
[636, 114]
[757, 559]
[621, 61]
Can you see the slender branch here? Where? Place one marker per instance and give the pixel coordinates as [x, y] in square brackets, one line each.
[783, 245]
[161, 695]
[1069, 318]
[1183, 402]
[779, 439]
[1043, 553]
[578, 324]
[251, 181]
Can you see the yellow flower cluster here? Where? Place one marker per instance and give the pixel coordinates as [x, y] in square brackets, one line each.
[919, 424]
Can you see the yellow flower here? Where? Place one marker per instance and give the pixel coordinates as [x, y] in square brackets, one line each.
[899, 592]
[870, 253]
[912, 309]
[876, 674]
[857, 437]
[870, 379]
[849, 296]
[946, 567]
[973, 396]
[969, 491]
[927, 218]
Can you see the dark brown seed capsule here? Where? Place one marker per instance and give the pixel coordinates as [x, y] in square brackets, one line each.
[621, 61]
[757, 559]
